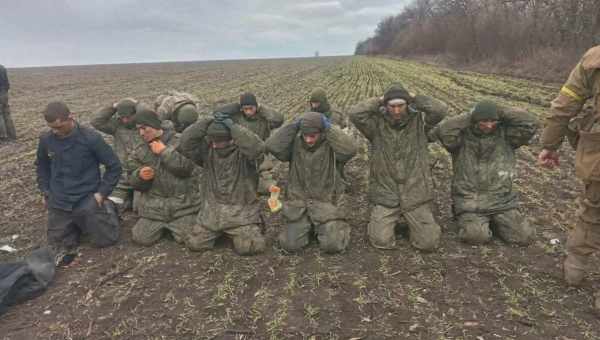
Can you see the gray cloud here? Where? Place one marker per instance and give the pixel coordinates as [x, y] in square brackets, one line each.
[63, 32]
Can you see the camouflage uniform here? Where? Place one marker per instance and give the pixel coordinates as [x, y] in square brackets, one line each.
[171, 200]
[168, 106]
[336, 117]
[126, 139]
[484, 168]
[315, 186]
[7, 127]
[265, 121]
[400, 177]
[583, 85]
[230, 206]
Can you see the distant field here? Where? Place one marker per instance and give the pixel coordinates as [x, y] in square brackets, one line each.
[166, 292]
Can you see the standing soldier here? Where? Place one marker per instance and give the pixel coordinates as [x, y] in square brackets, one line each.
[396, 125]
[117, 120]
[7, 127]
[68, 175]
[318, 102]
[228, 152]
[261, 120]
[179, 107]
[483, 144]
[315, 149]
[170, 198]
[583, 84]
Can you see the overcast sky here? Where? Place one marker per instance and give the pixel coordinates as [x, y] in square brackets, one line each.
[68, 32]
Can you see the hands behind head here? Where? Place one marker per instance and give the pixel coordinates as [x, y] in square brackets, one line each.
[223, 118]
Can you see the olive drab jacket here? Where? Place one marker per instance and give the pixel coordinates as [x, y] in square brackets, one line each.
[315, 173]
[338, 118]
[484, 164]
[266, 119]
[125, 137]
[399, 174]
[174, 190]
[583, 85]
[230, 176]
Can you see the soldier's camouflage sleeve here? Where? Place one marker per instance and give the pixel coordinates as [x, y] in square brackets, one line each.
[274, 118]
[364, 116]
[339, 118]
[571, 98]
[520, 126]
[176, 163]
[281, 143]
[104, 120]
[247, 141]
[193, 142]
[343, 145]
[450, 131]
[435, 110]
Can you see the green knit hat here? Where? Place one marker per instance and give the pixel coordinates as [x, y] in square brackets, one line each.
[148, 118]
[484, 110]
[126, 107]
[218, 132]
[320, 96]
[311, 122]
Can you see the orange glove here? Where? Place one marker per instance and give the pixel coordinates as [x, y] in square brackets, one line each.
[157, 147]
[146, 173]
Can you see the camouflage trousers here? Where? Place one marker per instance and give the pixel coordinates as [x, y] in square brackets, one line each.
[147, 232]
[101, 224]
[424, 231]
[584, 238]
[7, 127]
[247, 240]
[325, 222]
[510, 226]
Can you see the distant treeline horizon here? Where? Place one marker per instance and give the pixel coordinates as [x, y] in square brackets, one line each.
[536, 36]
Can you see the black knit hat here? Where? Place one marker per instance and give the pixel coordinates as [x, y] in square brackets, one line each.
[484, 110]
[396, 91]
[248, 99]
[148, 118]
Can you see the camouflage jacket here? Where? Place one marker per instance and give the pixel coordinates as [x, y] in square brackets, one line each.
[315, 173]
[174, 190]
[484, 165]
[126, 138]
[4, 83]
[230, 177]
[399, 159]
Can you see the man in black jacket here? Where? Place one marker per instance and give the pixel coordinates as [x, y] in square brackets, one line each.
[7, 128]
[68, 175]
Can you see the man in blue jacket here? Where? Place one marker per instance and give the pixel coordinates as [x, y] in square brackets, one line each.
[68, 175]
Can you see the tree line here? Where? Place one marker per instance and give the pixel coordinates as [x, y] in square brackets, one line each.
[505, 31]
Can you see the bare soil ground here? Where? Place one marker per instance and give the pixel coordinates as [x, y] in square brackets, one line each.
[494, 291]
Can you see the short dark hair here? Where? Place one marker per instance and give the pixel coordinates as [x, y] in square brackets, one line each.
[56, 110]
